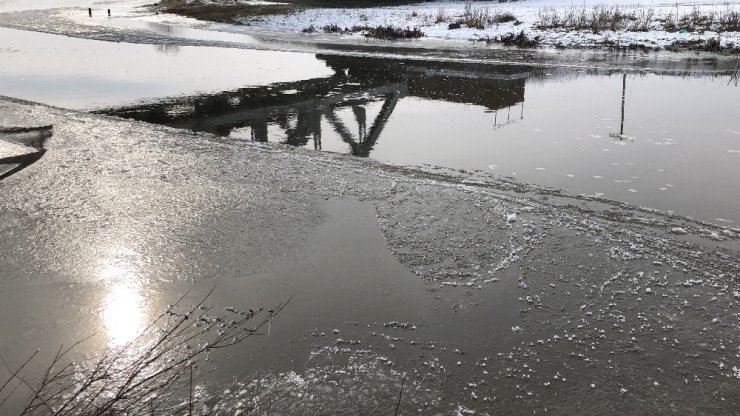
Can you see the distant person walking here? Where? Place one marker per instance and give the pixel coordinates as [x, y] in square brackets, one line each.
[89, 11]
[108, 12]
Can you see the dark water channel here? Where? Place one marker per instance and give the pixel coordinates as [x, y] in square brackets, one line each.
[667, 142]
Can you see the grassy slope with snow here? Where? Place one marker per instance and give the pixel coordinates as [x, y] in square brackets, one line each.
[433, 19]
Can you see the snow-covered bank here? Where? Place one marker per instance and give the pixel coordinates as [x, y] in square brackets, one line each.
[643, 24]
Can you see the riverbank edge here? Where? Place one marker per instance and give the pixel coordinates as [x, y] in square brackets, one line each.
[252, 14]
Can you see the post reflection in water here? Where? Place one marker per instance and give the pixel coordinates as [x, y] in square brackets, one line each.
[123, 308]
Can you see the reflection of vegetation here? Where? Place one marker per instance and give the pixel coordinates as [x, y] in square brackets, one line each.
[167, 49]
[148, 376]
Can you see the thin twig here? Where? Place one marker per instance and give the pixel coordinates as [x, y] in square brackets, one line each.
[14, 374]
[400, 393]
[190, 401]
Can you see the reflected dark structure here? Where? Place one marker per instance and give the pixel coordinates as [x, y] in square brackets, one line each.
[620, 136]
[294, 112]
[33, 138]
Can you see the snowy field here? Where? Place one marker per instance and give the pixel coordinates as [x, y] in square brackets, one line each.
[647, 24]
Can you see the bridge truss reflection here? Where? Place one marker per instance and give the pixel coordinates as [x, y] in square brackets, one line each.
[355, 104]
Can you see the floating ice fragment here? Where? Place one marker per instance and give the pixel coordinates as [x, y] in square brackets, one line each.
[593, 386]
[622, 390]
[462, 410]
[540, 169]
[516, 329]
[632, 190]
[511, 217]
[678, 230]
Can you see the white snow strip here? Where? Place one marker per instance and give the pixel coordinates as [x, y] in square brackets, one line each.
[433, 18]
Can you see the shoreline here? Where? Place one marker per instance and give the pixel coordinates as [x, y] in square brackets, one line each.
[546, 23]
[190, 32]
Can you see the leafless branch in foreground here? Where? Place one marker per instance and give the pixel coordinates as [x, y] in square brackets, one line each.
[145, 375]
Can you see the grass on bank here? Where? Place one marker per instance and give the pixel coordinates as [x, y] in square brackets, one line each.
[479, 18]
[601, 18]
[595, 19]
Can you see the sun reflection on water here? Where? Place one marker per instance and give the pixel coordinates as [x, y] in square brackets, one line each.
[123, 307]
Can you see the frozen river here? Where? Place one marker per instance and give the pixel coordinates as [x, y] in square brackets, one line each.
[493, 247]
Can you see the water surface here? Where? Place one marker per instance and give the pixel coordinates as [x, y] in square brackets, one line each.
[87, 74]
[666, 142]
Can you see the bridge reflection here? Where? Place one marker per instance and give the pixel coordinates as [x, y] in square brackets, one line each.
[354, 104]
